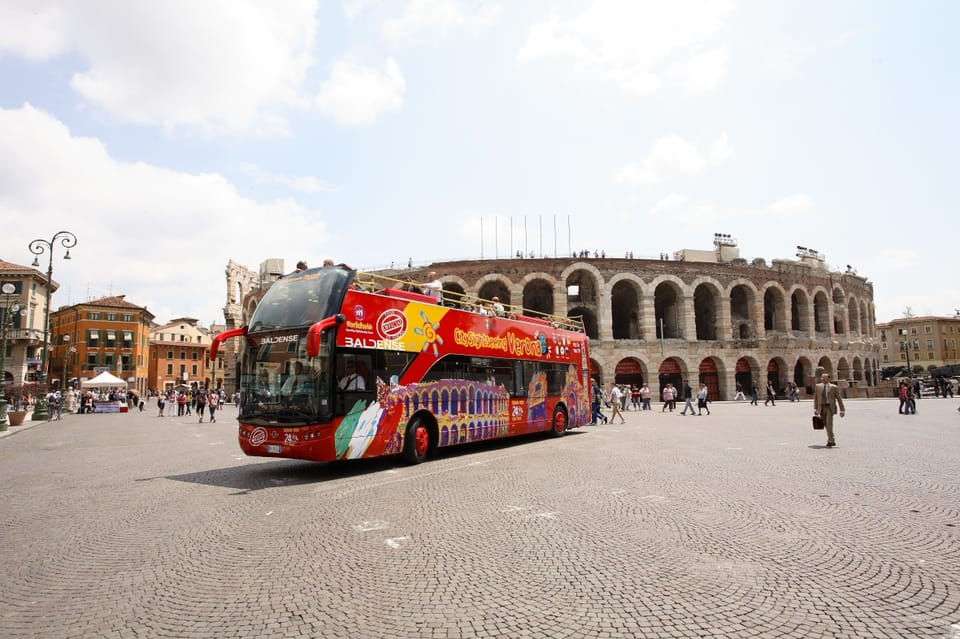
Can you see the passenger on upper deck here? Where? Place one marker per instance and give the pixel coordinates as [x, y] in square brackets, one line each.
[434, 287]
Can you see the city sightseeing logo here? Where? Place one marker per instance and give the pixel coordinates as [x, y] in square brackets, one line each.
[359, 313]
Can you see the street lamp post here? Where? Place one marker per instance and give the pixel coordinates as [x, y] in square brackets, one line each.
[37, 247]
[9, 310]
[68, 352]
[905, 344]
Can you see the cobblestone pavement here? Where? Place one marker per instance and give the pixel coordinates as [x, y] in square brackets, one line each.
[737, 524]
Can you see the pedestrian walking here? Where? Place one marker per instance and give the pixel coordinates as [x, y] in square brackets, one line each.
[826, 402]
[688, 399]
[212, 405]
[645, 397]
[754, 394]
[201, 403]
[771, 394]
[739, 396]
[614, 399]
[702, 400]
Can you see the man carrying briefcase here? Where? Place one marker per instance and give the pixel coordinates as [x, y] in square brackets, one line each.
[825, 403]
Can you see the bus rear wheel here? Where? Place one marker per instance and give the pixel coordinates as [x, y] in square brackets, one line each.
[559, 422]
[416, 443]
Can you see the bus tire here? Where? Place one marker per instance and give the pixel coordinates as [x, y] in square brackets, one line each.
[559, 423]
[416, 442]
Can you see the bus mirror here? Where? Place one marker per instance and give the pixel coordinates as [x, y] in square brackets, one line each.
[315, 333]
[222, 337]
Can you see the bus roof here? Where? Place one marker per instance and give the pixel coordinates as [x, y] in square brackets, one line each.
[388, 285]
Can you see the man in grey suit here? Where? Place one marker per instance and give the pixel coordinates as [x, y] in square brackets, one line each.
[826, 400]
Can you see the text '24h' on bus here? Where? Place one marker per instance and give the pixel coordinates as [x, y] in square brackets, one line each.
[339, 364]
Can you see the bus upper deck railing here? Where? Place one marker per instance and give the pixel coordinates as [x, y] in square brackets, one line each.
[406, 289]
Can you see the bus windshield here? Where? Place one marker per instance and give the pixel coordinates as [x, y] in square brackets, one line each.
[300, 299]
[280, 384]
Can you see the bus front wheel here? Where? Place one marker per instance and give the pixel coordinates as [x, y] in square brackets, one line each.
[416, 443]
[559, 422]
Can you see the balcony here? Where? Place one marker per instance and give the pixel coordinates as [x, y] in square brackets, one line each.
[24, 334]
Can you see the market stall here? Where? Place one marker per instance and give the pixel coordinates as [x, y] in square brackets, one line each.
[106, 383]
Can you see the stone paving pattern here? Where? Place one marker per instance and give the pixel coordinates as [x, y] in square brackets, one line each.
[738, 524]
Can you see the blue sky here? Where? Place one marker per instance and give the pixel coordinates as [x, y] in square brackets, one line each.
[174, 136]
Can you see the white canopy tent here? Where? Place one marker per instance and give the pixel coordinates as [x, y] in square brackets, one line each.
[104, 380]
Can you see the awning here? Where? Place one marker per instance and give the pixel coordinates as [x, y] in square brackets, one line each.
[94, 334]
[111, 335]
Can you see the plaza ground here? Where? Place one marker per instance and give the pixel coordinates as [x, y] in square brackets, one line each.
[737, 524]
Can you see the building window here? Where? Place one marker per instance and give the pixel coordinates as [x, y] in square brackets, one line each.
[195, 355]
[93, 338]
[91, 359]
[128, 339]
[183, 355]
[128, 318]
[108, 360]
[125, 360]
[194, 370]
[886, 359]
[111, 317]
[884, 346]
[93, 316]
[169, 369]
[913, 330]
[169, 354]
[927, 329]
[929, 343]
[111, 339]
[929, 355]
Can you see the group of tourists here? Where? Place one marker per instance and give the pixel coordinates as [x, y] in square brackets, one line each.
[188, 401]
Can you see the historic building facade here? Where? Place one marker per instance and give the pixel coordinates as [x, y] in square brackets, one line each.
[22, 311]
[107, 334]
[925, 343]
[702, 316]
[180, 356]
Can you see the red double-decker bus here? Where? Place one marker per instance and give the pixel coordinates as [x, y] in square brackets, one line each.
[338, 364]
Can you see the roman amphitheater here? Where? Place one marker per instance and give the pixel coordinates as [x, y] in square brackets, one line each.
[707, 316]
[704, 316]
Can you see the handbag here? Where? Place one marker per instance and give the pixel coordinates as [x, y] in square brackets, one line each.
[817, 422]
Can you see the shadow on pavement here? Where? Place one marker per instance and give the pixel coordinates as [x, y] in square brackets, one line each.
[294, 472]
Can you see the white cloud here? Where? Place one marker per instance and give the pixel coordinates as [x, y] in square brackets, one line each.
[705, 71]
[720, 150]
[785, 57]
[673, 157]
[792, 206]
[433, 20]
[157, 235]
[669, 205]
[635, 44]
[31, 30]
[357, 94]
[221, 64]
[305, 183]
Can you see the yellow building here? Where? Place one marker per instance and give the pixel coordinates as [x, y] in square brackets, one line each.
[180, 356]
[925, 343]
